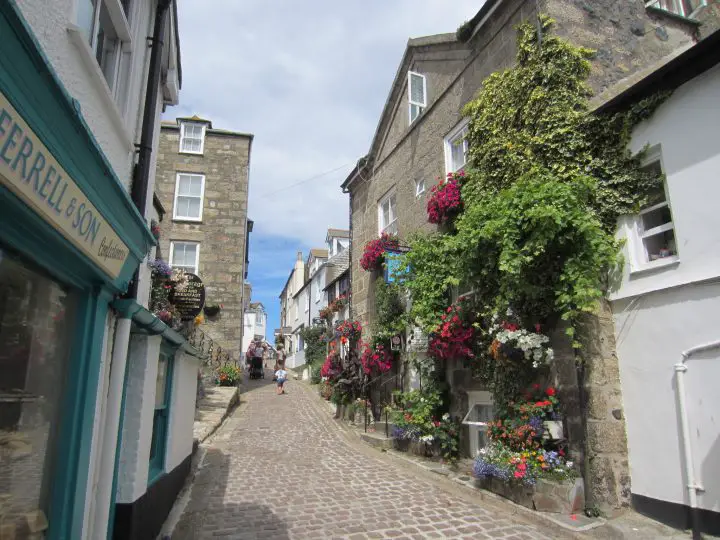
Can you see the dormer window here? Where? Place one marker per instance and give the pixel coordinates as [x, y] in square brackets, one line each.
[192, 138]
[417, 95]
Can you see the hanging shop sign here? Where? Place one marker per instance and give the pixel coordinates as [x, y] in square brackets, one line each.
[395, 343]
[29, 170]
[188, 296]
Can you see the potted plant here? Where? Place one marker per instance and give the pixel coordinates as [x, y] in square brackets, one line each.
[445, 200]
[374, 253]
[212, 310]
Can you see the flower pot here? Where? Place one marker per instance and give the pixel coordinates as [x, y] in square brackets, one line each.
[553, 429]
[401, 444]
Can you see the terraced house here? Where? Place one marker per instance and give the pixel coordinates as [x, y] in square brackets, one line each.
[420, 137]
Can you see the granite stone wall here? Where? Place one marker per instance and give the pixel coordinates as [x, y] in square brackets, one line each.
[222, 232]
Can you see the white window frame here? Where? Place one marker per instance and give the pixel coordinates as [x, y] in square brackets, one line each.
[318, 290]
[676, 7]
[176, 217]
[391, 226]
[421, 105]
[118, 72]
[459, 131]
[197, 253]
[419, 187]
[640, 258]
[307, 300]
[477, 397]
[203, 127]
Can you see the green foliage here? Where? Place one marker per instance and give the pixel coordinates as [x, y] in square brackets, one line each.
[390, 310]
[315, 344]
[228, 375]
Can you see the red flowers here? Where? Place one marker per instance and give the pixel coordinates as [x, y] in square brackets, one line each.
[374, 253]
[445, 201]
[349, 329]
[331, 367]
[376, 360]
[453, 338]
[550, 391]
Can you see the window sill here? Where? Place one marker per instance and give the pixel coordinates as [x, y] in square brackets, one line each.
[186, 220]
[655, 265]
[98, 79]
[188, 153]
[669, 14]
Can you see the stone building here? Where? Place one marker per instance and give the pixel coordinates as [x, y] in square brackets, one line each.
[202, 181]
[420, 138]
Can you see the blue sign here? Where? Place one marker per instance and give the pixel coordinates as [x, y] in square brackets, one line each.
[395, 267]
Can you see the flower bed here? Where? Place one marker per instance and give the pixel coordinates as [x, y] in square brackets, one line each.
[454, 337]
[227, 375]
[445, 200]
[374, 254]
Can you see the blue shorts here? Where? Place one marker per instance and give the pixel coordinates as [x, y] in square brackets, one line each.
[281, 382]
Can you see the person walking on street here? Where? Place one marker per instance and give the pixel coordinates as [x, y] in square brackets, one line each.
[281, 376]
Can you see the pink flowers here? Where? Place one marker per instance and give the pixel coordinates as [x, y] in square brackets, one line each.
[445, 201]
[349, 330]
[453, 338]
[330, 369]
[374, 253]
[377, 360]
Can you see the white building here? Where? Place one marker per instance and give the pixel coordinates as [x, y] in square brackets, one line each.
[255, 324]
[105, 374]
[668, 302]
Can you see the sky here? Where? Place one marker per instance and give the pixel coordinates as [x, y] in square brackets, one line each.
[308, 78]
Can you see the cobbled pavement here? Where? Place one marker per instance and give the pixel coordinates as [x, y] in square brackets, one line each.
[281, 468]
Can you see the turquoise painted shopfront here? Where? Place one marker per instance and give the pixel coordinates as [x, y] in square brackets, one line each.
[70, 241]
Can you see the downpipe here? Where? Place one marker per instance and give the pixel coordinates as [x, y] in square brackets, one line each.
[692, 486]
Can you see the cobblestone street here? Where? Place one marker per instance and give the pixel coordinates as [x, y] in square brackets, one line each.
[280, 468]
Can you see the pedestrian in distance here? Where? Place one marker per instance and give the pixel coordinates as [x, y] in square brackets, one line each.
[281, 376]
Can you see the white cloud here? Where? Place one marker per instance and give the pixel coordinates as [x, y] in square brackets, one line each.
[309, 79]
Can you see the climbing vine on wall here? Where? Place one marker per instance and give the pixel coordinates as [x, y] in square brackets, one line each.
[546, 183]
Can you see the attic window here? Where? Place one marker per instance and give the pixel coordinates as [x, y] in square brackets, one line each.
[417, 95]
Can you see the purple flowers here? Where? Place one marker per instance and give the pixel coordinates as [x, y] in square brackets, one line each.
[160, 268]
[483, 469]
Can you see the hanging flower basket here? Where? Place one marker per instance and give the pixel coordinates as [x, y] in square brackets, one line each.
[326, 313]
[455, 335]
[445, 201]
[376, 360]
[213, 310]
[374, 254]
[348, 331]
[515, 344]
[155, 229]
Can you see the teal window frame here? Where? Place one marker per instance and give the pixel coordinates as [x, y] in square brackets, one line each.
[161, 419]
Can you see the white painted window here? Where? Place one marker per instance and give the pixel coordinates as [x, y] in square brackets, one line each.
[185, 255]
[318, 290]
[106, 27]
[419, 187]
[307, 301]
[481, 411]
[417, 94]
[387, 214]
[456, 147]
[189, 193]
[684, 8]
[192, 138]
[653, 231]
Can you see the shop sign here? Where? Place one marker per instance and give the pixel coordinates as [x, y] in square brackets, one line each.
[188, 296]
[395, 343]
[28, 169]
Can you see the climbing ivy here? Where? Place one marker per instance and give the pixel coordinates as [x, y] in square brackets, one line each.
[315, 338]
[390, 309]
[547, 182]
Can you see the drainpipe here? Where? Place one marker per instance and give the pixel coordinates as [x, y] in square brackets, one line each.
[692, 486]
[110, 444]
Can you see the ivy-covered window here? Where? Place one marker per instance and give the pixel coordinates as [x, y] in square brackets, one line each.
[457, 147]
[163, 389]
[654, 231]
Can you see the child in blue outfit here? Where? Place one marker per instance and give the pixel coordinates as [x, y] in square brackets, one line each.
[281, 376]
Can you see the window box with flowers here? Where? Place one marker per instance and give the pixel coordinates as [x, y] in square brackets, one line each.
[373, 255]
[445, 200]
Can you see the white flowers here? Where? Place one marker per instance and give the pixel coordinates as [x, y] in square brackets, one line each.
[533, 345]
[569, 464]
[446, 417]
[427, 439]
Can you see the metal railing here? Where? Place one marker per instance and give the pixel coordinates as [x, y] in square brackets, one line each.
[212, 354]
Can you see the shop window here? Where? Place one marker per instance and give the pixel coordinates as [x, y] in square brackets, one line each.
[481, 411]
[417, 95]
[387, 214]
[185, 255]
[456, 148]
[37, 317]
[163, 389]
[189, 193]
[192, 138]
